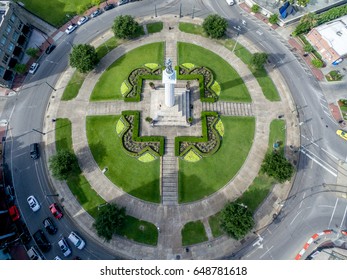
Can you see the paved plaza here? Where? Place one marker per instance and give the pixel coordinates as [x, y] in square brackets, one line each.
[169, 215]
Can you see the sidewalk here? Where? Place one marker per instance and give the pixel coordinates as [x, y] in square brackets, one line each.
[171, 219]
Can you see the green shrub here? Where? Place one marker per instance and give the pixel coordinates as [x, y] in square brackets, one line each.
[317, 63]
[255, 8]
[273, 19]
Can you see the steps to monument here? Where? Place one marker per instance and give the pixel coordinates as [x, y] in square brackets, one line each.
[229, 108]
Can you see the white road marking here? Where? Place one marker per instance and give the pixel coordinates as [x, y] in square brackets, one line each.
[303, 197]
[332, 215]
[295, 217]
[343, 218]
[332, 171]
[259, 32]
[267, 251]
[324, 150]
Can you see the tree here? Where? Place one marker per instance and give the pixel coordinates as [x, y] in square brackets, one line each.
[255, 8]
[32, 52]
[62, 164]
[273, 19]
[215, 26]
[20, 68]
[317, 63]
[307, 22]
[125, 27]
[277, 166]
[308, 48]
[236, 220]
[258, 60]
[83, 57]
[109, 220]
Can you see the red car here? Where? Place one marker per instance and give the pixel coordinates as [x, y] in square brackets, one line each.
[55, 210]
[14, 213]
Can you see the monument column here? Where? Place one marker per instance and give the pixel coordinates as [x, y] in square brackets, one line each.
[169, 79]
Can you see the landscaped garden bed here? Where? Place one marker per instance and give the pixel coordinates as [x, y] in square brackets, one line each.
[343, 107]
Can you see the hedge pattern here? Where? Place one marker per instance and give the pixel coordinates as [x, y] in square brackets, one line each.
[135, 81]
[205, 77]
[135, 145]
[205, 145]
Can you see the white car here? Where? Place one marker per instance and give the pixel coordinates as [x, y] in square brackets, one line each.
[33, 68]
[33, 203]
[71, 28]
[64, 247]
[230, 2]
[76, 240]
[82, 20]
[57, 258]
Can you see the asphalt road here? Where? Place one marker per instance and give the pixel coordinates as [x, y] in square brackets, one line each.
[321, 148]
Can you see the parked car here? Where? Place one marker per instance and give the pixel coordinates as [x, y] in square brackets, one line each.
[82, 20]
[122, 2]
[64, 247]
[55, 210]
[9, 191]
[95, 14]
[71, 28]
[342, 134]
[33, 68]
[33, 203]
[41, 241]
[23, 232]
[49, 226]
[34, 254]
[76, 240]
[57, 258]
[50, 49]
[14, 213]
[109, 7]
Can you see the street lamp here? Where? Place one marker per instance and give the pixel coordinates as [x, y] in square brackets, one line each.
[55, 194]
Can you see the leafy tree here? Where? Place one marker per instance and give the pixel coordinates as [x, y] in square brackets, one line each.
[273, 19]
[215, 26]
[277, 166]
[308, 48]
[317, 63]
[109, 220]
[62, 164]
[83, 57]
[307, 22]
[303, 2]
[236, 220]
[125, 27]
[255, 8]
[258, 60]
[32, 52]
[20, 68]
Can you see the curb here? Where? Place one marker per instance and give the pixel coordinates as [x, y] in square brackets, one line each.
[309, 242]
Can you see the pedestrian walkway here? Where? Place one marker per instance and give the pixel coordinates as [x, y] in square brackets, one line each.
[229, 108]
[168, 215]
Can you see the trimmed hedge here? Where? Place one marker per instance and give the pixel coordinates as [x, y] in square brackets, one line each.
[183, 144]
[131, 120]
[135, 81]
[206, 80]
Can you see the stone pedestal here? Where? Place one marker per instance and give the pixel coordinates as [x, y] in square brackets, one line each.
[169, 80]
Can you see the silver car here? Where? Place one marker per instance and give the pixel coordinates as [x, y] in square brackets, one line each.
[64, 247]
[33, 203]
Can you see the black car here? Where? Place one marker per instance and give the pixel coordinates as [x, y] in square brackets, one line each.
[49, 226]
[50, 49]
[109, 7]
[42, 241]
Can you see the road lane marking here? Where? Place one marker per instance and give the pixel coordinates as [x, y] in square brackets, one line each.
[319, 163]
[303, 197]
[332, 215]
[295, 217]
[343, 218]
[324, 150]
[267, 251]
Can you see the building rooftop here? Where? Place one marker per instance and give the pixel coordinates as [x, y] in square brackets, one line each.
[4, 6]
[335, 34]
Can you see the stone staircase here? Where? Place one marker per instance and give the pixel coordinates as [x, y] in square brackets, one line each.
[169, 174]
[229, 108]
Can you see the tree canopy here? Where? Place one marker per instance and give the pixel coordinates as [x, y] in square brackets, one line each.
[258, 60]
[277, 166]
[215, 26]
[109, 220]
[33, 52]
[125, 27]
[62, 164]
[83, 57]
[236, 220]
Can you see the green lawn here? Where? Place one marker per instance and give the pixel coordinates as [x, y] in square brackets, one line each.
[108, 46]
[154, 27]
[73, 86]
[57, 12]
[214, 225]
[193, 233]
[268, 87]
[134, 177]
[277, 133]
[232, 86]
[134, 229]
[192, 28]
[139, 231]
[108, 86]
[200, 179]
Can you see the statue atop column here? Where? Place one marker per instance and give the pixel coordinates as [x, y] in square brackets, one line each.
[169, 79]
[168, 64]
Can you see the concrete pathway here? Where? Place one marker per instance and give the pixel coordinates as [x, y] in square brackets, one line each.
[169, 218]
